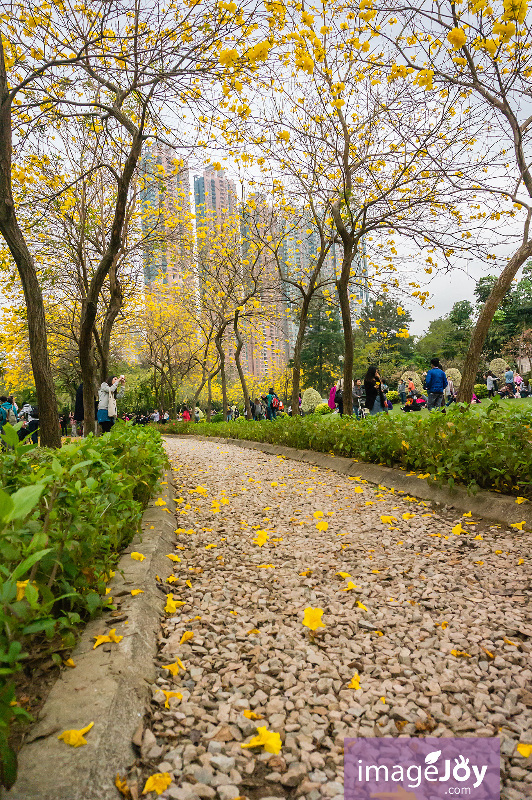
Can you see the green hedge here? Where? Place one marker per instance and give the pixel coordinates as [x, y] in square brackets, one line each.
[487, 447]
[65, 515]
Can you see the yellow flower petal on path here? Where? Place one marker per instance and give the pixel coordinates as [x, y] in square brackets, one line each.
[478, 537]
[444, 624]
[383, 699]
[306, 573]
[157, 783]
[268, 739]
[173, 557]
[358, 490]
[75, 738]
[520, 500]
[111, 637]
[69, 662]
[210, 546]
[137, 557]
[509, 641]
[274, 483]
[251, 715]
[350, 586]
[187, 636]
[312, 618]
[469, 514]
[480, 563]
[361, 605]
[388, 519]
[457, 530]
[252, 632]
[135, 592]
[322, 525]
[518, 525]
[379, 633]
[355, 682]
[189, 584]
[121, 785]
[168, 695]
[261, 538]
[460, 653]
[524, 750]
[344, 575]
[171, 604]
[318, 514]
[369, 503]
[265, 566]
[171, 579]
[520, 561]
[408, 515]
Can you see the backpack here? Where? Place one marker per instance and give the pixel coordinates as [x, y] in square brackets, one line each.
[11, 416]
[275, 402]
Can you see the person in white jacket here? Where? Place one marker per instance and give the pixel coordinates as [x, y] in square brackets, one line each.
[110, 390]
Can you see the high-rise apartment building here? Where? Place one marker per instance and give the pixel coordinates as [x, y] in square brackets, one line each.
[166, 218]
[214, 197]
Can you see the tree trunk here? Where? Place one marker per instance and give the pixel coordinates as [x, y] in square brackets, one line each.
[116, 302]
[320, 382]
[486, 315]
[209, 398]
[296, 358]
[219, 347]
[343, 297]
[9, 227]
[241, 375]
[90, 302]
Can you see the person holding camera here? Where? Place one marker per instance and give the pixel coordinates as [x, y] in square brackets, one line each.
[110, 390]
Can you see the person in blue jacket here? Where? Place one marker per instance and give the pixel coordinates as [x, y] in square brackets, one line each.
[436, 381]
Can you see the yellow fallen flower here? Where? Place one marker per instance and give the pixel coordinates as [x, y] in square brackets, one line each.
[137, 557]
[187, 636]
[210, 546]
[350, 586]
[252, 715]
[135, 592]
[69, 662]
[270, 740]
[457, 530]
[75, 738]
[173, 557]
[111, 637]
[361, 605]
[174, 668]
[355, 682]
[121, 785]
[408, 516]
[21, 589]
[388, 519]
[171, 604]
[312, 618]
[168, 695]
[518, 525]
[524, 749]
[157, 783]
[520, 500]
[344, 574]
[322, 525]
[462, 653]
[261, 538]
[171, 579]
[265, 566]
[160, 502]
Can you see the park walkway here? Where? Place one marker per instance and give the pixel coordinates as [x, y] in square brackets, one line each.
[430, 624]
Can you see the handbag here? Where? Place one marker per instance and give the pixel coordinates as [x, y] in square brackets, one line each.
[111, 409]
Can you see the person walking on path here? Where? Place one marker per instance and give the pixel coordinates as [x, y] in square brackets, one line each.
[490, 384]
[436, 382]
[509, 380]
[339, 396]
[272, 404]
[65, 419]
[31, 415]
[375, 399]
[401, 391]
[110, 390]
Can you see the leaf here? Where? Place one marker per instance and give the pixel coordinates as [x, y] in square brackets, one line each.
[28, 563]
[25, 500]
[431, 758]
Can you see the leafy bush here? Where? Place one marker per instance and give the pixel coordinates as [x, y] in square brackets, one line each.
[310, 401]
[481, 390]
[219, 417]
[322, 408]
[415, 377]
[65, 515]
[393, 396]
[455, 376]
[498, 367]
[453, 447]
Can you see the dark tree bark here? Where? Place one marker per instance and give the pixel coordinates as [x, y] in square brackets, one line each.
[480, 331]
[342, 286]
[240, 344]
[10, 229]
[90, 302]
[103, 340]
[219, 346]
[298, 346]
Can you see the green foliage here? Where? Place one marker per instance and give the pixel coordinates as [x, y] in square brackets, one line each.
[484, 447]
[219, 417]
[481, 390]
[375, 340]
[323, 344]
[414, 377]
[65, 515]
[310, 401]
[322, 408]
[393, 396]
[455, 376]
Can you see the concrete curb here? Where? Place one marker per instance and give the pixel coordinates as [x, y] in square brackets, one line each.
[492, 506]
[109, 685]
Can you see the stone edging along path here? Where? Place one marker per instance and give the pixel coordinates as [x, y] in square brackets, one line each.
[109, 686]
[493, 506]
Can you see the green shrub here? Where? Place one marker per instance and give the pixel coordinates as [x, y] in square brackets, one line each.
[481, 390]
[65, 515]
[414, 377]
[310, 401]
[482, 447]
[498, 367]
[322, 408]
[393, 396]
[455, 376]
[219, 417]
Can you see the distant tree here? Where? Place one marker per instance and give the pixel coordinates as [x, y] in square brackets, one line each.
[323, 344]
[381, 337]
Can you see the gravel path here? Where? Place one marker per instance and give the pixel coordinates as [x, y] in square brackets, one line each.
[435, 624]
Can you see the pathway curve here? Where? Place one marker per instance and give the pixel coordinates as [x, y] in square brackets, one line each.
[435, 628]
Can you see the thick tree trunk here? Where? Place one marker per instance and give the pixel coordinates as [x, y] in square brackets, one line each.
[219, 347]
[342, 286]
[88, 376]
[103, 341]
[9, 227]
[238, 363]
[90, 302]
[209, 398]
[480, 331]
[296, 358]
